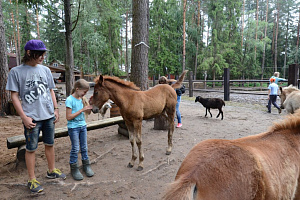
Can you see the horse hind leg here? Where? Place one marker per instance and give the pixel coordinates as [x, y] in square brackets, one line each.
[170, 132]
[132, 142]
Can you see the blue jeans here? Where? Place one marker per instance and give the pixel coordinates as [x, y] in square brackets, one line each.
[78, 137]
[272, 100]
[32, 135]
[178, 115]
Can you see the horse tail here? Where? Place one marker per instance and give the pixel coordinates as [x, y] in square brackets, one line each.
[181, 189]
[177, 84]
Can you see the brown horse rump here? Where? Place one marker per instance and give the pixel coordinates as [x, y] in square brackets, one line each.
[264, 166]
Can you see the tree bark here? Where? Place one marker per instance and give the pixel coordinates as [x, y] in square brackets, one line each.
[69, 49]
[183, 33]
[140, 42]
[4, 96]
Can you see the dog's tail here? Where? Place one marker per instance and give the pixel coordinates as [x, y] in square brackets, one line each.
[178, 83]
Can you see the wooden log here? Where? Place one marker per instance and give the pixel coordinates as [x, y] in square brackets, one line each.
[19, 140]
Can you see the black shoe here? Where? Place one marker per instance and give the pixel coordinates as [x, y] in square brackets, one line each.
[268, 111]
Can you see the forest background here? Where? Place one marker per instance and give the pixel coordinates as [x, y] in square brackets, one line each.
[252, 38]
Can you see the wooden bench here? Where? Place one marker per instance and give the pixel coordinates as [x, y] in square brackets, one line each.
[19, 140]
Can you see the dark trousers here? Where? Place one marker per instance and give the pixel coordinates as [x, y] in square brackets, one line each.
[273, 101]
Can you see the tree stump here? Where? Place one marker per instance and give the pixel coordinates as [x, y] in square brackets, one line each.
[161, 123]
[114, 112]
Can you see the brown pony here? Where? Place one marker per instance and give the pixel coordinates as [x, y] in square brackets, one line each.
[259, 167]
[136, 105]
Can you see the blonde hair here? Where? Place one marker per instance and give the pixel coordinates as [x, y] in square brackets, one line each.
[82, 84]
[276, 74]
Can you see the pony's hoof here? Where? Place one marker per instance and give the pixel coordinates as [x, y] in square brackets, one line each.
[130, 165]
[139, 168]
[168, 152]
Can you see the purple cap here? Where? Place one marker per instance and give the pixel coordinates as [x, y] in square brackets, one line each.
[36, 45]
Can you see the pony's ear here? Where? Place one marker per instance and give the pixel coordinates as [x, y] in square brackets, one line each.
[280, 89]
[101, 80]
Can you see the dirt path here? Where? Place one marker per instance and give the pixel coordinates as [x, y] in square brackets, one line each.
[110, 154]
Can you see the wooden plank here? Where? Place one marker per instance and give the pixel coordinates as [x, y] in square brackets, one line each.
[19, 140]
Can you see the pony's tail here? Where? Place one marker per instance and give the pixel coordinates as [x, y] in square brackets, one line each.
[181, 190]
[177, 84]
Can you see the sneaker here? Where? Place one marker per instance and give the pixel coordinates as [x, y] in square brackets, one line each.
[56, 173]
[179, 125]
[34, 186]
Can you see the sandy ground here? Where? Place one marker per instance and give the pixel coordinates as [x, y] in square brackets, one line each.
[111, 152]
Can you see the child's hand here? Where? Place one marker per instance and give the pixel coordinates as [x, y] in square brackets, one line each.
[27, 121]
[89, 107]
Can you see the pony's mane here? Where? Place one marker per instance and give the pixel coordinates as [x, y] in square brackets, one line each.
[290, 88]
[292, 121]
[119, 81]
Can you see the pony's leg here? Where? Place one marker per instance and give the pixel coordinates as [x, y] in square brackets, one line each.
[170, 133]
[132, 142]
[206, 112]
[209, 112]
[220, 112]
[138, 133]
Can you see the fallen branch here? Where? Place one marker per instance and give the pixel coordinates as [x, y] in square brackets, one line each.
[96, 159]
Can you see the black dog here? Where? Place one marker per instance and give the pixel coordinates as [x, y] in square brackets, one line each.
[208, 103]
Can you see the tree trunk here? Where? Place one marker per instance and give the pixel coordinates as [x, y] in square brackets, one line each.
[297, 47]
[69, 48]
[286, 42]
[197, 44]
[4, 96]
[126, 53]
[276, 37]
[183, 33]
[256, 30]
[264, 48]
[37, 21]
[243, 24]
[140, 42]
[15, 37]
[18, 31]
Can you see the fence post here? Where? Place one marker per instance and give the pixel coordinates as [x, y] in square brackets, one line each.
[293, 74]
[191, 84]
[226, 84]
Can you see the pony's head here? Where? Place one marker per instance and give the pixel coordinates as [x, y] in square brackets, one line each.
[100, 95]
[284, 92]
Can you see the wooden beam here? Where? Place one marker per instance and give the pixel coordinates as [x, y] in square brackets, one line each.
[19, 140]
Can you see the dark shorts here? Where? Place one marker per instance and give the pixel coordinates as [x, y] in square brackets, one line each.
[32, 135]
